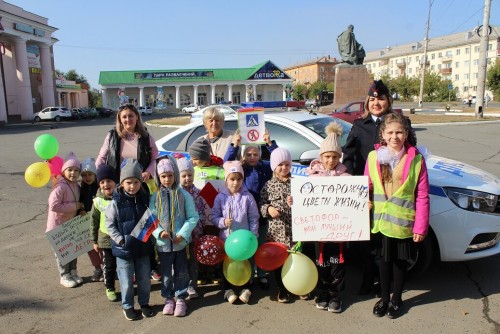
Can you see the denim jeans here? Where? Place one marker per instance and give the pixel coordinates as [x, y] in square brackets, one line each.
[192, 265]
[126, 268]
[177, 285]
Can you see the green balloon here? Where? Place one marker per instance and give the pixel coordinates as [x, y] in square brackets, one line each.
[241, 245]
[46, 146]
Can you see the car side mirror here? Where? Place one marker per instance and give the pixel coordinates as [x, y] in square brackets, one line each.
[308, 156]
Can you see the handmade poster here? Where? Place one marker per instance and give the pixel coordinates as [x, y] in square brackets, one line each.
[71, 239]
[251, 125]
[209, 190]
[330, 208]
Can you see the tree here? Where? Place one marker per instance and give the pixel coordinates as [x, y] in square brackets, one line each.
[316, 89]
[493, 78]
[405, 87]
[299, 92]
[72, 75]
[435, 87]
[95, 98]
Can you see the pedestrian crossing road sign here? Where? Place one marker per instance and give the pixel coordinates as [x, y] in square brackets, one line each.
[252, 120]
[251, 125]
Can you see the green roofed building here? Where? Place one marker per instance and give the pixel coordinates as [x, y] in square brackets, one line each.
[178, 88]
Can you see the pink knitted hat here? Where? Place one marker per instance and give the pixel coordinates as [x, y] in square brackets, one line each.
[278, 156]
[164, 166]
[71, 161]
[232, 167]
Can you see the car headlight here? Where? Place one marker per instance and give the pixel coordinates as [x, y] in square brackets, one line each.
[472, 200]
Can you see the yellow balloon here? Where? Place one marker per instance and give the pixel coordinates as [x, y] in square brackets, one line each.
[37, 174]
[151, 185]
[237, 272]
[299, 274]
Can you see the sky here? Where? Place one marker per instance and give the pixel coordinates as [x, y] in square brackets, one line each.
[112, 35]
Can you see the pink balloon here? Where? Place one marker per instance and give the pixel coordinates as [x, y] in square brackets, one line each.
[55, 165]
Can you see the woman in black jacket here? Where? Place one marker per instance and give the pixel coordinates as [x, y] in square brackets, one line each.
[365, 133]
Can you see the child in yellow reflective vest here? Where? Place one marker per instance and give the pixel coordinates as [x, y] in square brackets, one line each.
[107, 179]
[399, 193]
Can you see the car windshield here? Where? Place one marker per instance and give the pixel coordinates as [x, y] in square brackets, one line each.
[318, 125]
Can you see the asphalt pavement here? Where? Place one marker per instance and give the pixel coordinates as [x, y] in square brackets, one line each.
[460, 297]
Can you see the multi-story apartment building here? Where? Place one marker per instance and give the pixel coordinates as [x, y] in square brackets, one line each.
[454, 57]
[321, 69]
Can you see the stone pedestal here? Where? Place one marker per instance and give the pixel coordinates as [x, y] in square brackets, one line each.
[351, 84]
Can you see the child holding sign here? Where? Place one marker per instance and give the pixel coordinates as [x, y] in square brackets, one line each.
[178, 217]
[399, 189]
[275, 200]
[329, 257]
[63, 206]
[130, 201]
[234, 209]
[107, 179]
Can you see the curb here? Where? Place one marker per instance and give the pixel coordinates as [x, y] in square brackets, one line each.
[471, 114]
[164, 126]
[416, 125]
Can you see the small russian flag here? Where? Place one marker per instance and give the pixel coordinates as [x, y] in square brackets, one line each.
[146, 225]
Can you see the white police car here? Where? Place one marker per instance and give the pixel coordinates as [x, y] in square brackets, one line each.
[465, 206]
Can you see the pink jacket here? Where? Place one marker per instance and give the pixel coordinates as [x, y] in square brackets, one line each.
[63, 202]
[422, 205]
[316, 169]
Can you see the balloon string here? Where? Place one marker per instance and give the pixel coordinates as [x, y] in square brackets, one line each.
[297, 248]
[229, 216]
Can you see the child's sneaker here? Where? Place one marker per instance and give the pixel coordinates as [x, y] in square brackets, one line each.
[192, 292]
[335, 305]
[75, 277]
[146, 311]
[68, 282]
[168, 309]
[322, 301]
[230, 296]
[97, 276]
[305, 297]
[180, 308]
[130, 314]
[155, 275]
[111, 294]
[245, 295]
[283, 297]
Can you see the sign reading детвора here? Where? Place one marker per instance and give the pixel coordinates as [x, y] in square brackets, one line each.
[71, 239]
[330, 208]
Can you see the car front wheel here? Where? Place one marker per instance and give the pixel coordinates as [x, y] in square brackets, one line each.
[37, 119]
[424, 256]
[57, 119]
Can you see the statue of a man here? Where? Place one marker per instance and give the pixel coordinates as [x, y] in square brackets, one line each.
[350, 50]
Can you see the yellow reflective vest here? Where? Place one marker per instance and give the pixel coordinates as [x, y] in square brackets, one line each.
[101, 204]
[394, 216]
[208, 173]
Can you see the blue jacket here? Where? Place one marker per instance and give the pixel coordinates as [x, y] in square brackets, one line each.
[122, 215]
[181, 203]
[255, 176]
